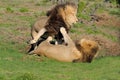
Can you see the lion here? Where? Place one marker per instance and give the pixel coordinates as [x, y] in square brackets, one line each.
[82, 51]
[62, 15]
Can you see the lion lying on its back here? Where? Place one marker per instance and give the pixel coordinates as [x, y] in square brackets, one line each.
[83, 51]
[62, 15]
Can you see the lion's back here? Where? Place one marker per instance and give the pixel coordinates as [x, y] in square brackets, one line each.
[39, 24]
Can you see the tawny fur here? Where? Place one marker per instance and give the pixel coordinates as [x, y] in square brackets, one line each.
[83, 51]
[62, 15]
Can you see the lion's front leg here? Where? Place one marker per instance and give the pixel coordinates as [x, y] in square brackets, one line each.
[40, 33]
[66, 37]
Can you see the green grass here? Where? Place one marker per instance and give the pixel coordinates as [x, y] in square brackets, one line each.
[42, 3]
[23, 9]
[17, 66]
[6, 24]
[9, 9]
[15, 20]
[115, 12]
[81, 28]
[81, 9]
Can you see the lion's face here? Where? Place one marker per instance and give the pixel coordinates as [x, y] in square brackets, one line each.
[66, 11]
[70, 14]
[88, 48]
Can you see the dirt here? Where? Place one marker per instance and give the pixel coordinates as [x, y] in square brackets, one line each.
[107, 46]
[107, 20]
[111, 48]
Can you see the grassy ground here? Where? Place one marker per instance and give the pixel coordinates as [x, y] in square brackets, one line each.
[16, 18]
[17, 66]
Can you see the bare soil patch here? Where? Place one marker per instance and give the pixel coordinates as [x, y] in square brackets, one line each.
[106, 19]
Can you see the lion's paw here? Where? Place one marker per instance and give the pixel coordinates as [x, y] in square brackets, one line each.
[49, 38]
[33, 41]
[62, 30]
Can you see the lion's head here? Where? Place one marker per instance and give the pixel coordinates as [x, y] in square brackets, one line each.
[88, 48]
[63, 15]
[68, 13]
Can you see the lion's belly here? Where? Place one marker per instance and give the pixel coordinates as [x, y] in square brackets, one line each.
[60, 54]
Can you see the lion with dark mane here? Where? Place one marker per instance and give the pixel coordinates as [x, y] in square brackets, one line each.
[62, 15]
[82, 51]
